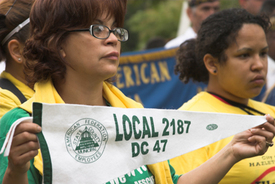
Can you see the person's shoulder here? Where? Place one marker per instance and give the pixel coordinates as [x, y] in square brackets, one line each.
[200, 102]
[271, 98]
[8, 98]
[10, 117]
[8, 101]
[263, 107]
[189, 34]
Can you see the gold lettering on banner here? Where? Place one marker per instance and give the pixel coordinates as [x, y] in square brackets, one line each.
[154, 74]
[137, 98]
[118, 79]
[137, 75]
[164, 72]
[128, 76]
[144, 79]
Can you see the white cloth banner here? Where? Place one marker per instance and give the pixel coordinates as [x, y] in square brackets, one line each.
[103, 143]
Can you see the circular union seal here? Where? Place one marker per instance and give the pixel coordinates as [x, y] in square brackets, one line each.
[86, 140]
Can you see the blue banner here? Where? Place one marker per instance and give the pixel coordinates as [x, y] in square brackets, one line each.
[148, 77]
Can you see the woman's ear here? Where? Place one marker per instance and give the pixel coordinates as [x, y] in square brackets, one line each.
[62, 53]
[211, 63]
[190, 13]
[16, 50]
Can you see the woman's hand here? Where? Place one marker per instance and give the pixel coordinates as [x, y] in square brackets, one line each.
[244, 145]
[24, 148]
[255, 141]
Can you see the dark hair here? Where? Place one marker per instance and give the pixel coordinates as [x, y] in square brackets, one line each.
[50, 22]
[217, 32]
[155, 42]
[268, 7]
[17, 14]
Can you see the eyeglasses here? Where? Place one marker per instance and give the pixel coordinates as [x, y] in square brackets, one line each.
[103, 32]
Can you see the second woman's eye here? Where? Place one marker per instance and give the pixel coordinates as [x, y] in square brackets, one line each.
[263, 54]
[243, 56]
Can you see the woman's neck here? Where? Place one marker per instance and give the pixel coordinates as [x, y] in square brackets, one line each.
[16, 70]
[74, 91]
[227, 95]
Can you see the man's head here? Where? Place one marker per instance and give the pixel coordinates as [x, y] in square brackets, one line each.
[198, 10]
[268, 8]
[252, 6]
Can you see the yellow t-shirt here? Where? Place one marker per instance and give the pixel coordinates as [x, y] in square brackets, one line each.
[256, 170]
[8, 100]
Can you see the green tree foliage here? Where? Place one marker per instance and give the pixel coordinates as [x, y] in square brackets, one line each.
[160, 20]
[146, 19]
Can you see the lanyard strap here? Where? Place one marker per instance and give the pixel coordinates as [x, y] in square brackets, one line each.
[245, 108]
[6, 84]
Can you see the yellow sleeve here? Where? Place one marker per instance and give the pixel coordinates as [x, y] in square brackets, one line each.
[161, 172]
[8, 101]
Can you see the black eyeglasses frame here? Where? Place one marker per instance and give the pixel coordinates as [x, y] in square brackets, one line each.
[110, 31]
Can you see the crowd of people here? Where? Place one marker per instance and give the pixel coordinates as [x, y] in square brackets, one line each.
[68, 52]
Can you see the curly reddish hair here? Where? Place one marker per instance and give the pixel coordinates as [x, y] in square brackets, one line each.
[50, 22]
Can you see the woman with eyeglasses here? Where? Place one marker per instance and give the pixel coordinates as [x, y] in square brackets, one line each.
[230, 55]
[72, 53]
[14, 31]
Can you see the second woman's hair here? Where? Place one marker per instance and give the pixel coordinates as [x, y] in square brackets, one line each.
[216, 34]
[13, 13]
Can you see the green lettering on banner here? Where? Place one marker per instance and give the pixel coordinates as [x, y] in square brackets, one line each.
[135, 149]
[146, 128]
[165, 131]
[143, 150]
[180, 127]
[126, 134]
[119, 136]
[154, 133]
[157, 146]
[164, 144]
[135, 119]
[188, 125]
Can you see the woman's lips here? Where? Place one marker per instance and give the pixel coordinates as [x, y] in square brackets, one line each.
[260, 80]
[112, 56]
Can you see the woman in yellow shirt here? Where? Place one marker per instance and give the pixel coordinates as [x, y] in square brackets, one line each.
[14, 31]
[230, 54]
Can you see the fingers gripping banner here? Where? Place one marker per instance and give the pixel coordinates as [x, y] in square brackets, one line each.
[103, 143]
